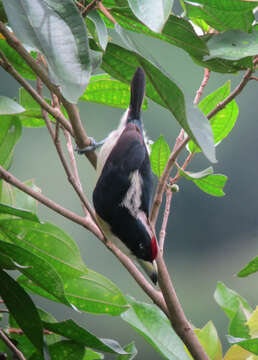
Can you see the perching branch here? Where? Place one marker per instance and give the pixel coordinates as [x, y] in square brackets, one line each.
[81, 138]
[11, 346]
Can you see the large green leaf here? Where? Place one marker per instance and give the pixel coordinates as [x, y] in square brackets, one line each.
[65, 48]
[153, 325]
[47, 241]
[121, 64]
[222, 15]
[14, 58]
[102, 89]
[250, 268]
[177, 31]
[233, 45]
[36, 269]
[10, 132]
[63, 350]
[70, 330]
[230, 301]
[22, 309]
[9, 106]
[223, 122]
[210, 341]
[153, 13]
[92, 293]
[159, 156]
[32, 117]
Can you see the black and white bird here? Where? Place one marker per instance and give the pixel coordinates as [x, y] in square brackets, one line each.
[123, 193]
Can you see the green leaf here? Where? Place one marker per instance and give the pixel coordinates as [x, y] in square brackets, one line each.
[47, 241]
[223, 122]
[10, 133]
[250, 268]
[16, 60]
[153, 13]
[9, 106]
[92, 355]
[69, 60]
[233, 45]
[22, 309]
[153, 325]
[72, 331]
[36, 269]
[229, 300]
[121, 64]
[104, 90]
[177, 31]
[208, 182]
[92, 293]
[63, 350]
[249, 345]
[222, 15]
[32, 117]
[131, 349]
[100, 27]
[237, 326]
[252, 323]
[159, 156]
[210, 341]
[24, 214]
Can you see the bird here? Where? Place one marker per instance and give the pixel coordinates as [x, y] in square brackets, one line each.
[123, 193]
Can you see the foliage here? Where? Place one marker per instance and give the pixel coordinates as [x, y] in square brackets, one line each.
[47, 258]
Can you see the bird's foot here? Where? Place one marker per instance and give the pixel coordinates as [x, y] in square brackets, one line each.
[93, 146]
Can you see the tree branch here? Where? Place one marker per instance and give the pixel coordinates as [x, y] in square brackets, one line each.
[49, 203]
[11, 346]
[81, 138]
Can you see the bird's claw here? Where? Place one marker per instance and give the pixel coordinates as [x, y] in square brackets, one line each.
[93, 146]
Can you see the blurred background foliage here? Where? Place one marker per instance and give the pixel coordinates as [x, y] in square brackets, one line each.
[208, 238]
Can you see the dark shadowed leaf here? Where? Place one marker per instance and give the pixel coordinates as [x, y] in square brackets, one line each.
[47, 241]
[153, 325]
[250, 268]
[63, 350]
[153, 13]
[22, 309]
[9, 106]
[69, 59]
[72, 331]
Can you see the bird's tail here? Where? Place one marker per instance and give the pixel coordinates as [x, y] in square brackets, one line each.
[137, 93]
[150, 269]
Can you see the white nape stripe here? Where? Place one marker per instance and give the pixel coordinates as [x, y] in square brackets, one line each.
[132, 199]
[110, 143]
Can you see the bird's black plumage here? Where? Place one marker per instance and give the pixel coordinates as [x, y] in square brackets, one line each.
[130, 155]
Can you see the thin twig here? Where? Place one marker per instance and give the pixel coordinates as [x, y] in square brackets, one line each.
[202, 86]
[106, 13]
[162, 233]
[81, 138]
[11, 346]
[50, 203]
[254, 78]
[91, 6]
[56, 114]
